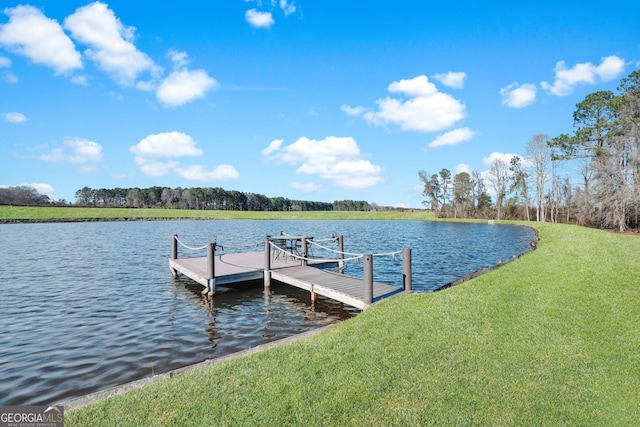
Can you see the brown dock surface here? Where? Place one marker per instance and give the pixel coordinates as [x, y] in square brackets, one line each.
[240, 267]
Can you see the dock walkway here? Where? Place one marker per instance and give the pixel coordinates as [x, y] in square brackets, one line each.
[276, 263]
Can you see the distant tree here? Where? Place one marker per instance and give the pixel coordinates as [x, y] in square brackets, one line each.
[519, 183]
[498, 178]
[539, 155]
[432, 191]
[22, 195]
[463, 203]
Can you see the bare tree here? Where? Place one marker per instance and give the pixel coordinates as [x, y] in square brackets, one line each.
[539, 156]
[498, 179]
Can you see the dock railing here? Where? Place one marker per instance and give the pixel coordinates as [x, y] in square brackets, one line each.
[274, 244]
[287, 246]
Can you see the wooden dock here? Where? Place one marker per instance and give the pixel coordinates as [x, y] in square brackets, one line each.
[282, 264]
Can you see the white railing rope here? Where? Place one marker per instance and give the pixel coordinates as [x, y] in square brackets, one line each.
[189, 247]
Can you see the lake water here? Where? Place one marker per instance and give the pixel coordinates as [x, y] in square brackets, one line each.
[88, 306]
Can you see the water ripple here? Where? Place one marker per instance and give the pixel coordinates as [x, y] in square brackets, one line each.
[87, 306]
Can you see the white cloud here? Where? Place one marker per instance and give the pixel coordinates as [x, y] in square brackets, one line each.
[453, 137]
[335, 159]
[77, 151]
[353, 111]
[273, 147]
[178, 57]
[167, 144]
[427, 110]
[305, 187]
[15, 117]
[152, 149]
[155, 168]
[31, 34]
[452, 79]
[10, 78]
[518, 96]
[585, 73]
[41, 188]
[259, 19]
[110, 42]
[462, 167]
[287, 7]
[505, 157]
[5, 62]
[418, 86]
[184, 86]
[199, 173]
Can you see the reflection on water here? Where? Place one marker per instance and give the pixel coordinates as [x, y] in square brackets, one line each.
[87, 306]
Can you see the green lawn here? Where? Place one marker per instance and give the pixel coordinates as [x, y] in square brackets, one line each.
[550, 339]
[30, 213]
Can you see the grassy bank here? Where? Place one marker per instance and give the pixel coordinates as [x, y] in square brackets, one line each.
[551, 339]
[44, 214]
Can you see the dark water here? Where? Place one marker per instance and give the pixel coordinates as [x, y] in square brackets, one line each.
[87, 306]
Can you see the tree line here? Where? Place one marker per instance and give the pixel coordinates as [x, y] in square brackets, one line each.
[208, 198]
[603, 152]
[23, 195]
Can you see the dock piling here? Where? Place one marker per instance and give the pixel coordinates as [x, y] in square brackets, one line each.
[368, 278]
[304, 250]
[211, 268]
[267, 263]
[406, 269]
[174, 253]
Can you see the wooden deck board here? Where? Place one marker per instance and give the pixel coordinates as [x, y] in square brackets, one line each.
[234, 268]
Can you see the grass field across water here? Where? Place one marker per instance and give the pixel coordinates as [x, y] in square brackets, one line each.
[550, 339]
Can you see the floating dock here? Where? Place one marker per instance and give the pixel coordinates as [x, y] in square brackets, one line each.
[285, 259]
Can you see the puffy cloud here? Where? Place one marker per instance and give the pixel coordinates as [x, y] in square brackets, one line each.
[184, 86]
[15, 117]
[75, 150]
[505, 157]
[462, 167]
[155, 168]
[110, 42]
[5, 62]
[518, 96]
[151, 151]
[200, 173]
[426, 110]
[259, 19]
[31, 34]
[353, 111]
[273, 147]
[178, 57]
[305, 187]
[167, 144]
[452, 79]
[453, 137]
[585, 73]
[287, 8]
[335, 159]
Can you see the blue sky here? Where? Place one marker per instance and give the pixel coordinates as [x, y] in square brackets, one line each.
[313, 100]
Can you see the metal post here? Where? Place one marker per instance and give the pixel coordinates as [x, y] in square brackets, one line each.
[174, 246]
[267, 264]
[368, 278]
[406, 269]
[174, 254]
[304, 251]
[341, 251]
[211, 267]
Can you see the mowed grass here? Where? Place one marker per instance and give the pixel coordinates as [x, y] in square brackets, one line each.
[60, 213]
[550, 339]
